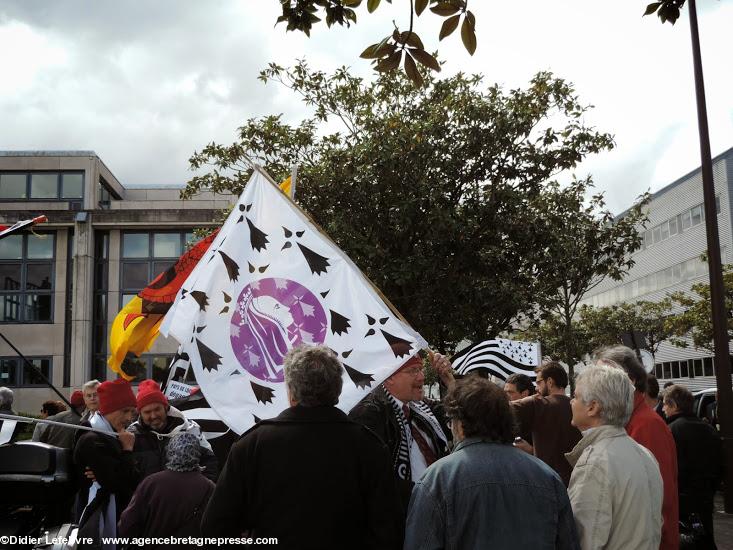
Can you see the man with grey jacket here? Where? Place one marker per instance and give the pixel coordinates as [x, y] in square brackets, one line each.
[615, 488]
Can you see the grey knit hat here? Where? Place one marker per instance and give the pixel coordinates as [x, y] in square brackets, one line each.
[184, 452]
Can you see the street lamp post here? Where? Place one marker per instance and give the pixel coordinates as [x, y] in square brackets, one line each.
[717, 295]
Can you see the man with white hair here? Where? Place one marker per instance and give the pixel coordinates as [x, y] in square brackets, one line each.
[615, 488]
[9, 429]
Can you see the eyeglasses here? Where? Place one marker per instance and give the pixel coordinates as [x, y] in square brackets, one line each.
[413, 371]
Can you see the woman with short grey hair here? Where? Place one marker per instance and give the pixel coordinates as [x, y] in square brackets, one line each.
[313, 376]
[615, 488]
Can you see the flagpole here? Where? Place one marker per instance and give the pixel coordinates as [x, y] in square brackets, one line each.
[29, 420]
[293, 178]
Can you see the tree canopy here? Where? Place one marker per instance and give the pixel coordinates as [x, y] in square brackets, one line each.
[445, 195]
[590, 245]
[695, 321]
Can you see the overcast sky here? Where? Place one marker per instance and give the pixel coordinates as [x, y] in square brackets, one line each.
[145, 84]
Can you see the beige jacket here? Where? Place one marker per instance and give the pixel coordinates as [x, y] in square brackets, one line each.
[615, 491]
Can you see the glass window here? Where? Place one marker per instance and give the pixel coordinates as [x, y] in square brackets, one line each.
[11, 247]
[72, 186]
[708, 366]
[673, 226]
[664, 228]
[160, 267]
[26, 286]
[717, 204]
[8, 372]
[135, 245]
[675, 369]
[30, 376]
[189, 239]
[13, 186]
[126, 299]
[100, 306]
[10, 276]
[40, 247]
[10, 308]
[135, 275]
[696, 215]
[166, 245]
[657, 233]
[667, 371]
[38, 276]
[658, 370]
[38, 308]
[99, 333]
[698, 367]
[684, 372]
[44, 186]
[685, 217]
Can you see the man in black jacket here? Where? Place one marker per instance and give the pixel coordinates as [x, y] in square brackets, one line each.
[699, 458]
[414, 429]
[310, 477]
[157, 424]
[109, 457]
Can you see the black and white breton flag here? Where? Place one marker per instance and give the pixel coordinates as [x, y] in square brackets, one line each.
[500, 357]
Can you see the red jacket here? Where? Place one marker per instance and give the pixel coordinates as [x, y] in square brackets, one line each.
[648, 429]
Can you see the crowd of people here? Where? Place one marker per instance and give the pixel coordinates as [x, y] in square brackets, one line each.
[618, 465]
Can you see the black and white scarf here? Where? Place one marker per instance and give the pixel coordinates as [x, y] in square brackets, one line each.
[421, 409]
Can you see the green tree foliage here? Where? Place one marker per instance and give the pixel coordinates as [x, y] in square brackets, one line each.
[398, 48]
[607, 325]
[442, 194]
[696, 319]
[589, 246]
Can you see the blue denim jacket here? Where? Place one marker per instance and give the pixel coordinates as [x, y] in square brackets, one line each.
[489, 496]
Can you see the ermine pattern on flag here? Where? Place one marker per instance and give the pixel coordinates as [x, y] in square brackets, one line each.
[501, 357]
[271, 281]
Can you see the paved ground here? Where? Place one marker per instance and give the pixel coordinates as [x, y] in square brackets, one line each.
[723, 525]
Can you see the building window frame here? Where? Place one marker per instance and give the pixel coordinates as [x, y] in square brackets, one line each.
[22, 371]
[60, 185]
[22, 292]
[154, 263]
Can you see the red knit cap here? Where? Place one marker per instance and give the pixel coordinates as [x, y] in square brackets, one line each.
[115, 395]
[77, 399]
[149, 392]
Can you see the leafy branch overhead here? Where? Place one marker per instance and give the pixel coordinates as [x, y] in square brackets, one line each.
[666, 10]
[401, 48]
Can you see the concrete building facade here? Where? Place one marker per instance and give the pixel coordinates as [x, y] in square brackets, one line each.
[62, 285]
[670, 260]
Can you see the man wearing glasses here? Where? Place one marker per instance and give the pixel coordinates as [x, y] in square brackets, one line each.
[414, 429]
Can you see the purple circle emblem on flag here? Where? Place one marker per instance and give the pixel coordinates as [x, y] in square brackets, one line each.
[273, 316]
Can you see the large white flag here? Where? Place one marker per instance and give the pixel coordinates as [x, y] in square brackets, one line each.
[269, 282]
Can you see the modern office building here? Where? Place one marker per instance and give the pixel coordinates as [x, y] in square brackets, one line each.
[670, 261]
[62, 285]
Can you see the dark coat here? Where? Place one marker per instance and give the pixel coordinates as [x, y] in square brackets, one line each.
[699, 457]
[167, 504]
[376, 413]
[150, 451]
[312, 478]
[114, 469]
[58, 435]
